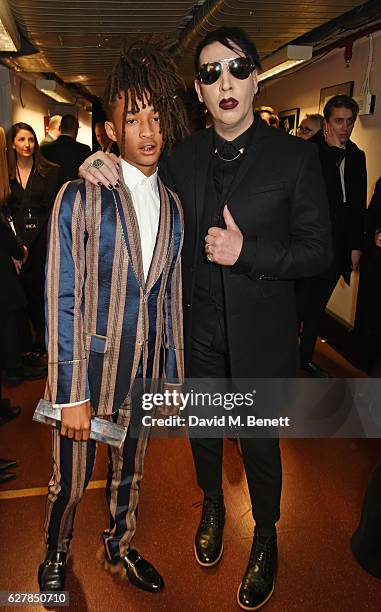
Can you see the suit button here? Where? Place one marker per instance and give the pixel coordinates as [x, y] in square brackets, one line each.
[188, 306]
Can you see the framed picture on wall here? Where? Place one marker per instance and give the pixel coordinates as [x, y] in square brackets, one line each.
[334, 90]
[288, 120]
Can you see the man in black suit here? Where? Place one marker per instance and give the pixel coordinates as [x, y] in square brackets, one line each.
[256, 218]
[66, 151]
[344, 172]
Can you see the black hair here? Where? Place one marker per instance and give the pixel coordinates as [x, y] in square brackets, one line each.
[232, 38]
[145, 72]
[69, 123]
[341, 101]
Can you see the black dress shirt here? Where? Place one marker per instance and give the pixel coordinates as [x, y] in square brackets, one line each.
[208, 305]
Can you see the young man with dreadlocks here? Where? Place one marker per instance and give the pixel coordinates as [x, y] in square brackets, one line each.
[113, 303]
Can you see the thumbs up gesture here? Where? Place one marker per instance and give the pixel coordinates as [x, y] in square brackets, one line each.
[223, 246]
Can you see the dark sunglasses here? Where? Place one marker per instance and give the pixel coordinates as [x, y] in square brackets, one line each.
[239, 67]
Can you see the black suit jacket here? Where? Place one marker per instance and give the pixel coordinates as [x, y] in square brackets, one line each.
[347, 220]
[68, 154]
[278, 200]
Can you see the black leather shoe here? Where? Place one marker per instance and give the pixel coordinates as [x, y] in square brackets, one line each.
[258, 582]
[208, 545]
[313, 370]
[6, 464]
[5, 476]
[141, 573]
[51, 573]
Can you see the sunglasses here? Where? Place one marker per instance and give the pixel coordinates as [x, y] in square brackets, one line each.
[239, 67]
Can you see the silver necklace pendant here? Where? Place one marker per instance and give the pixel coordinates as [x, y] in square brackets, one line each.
[240, 152]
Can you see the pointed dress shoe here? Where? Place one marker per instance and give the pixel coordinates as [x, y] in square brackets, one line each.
[5, 476]
[258, 582]
[208, 544]
[139, 572]
[52, 572]
[7, 464]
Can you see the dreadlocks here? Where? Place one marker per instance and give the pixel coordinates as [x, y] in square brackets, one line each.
[146, 73]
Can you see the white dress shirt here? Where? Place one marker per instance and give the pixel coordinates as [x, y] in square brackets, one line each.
[145, 197]
[342, 178]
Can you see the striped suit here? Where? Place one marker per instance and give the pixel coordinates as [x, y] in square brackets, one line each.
[108, 330]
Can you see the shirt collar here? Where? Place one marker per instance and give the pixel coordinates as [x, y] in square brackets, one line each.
[242, 141]
[133, 177]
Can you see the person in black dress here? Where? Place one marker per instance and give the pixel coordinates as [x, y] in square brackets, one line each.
[11, 297]
[33, 187]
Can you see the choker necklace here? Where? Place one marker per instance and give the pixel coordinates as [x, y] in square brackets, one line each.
[240, 152]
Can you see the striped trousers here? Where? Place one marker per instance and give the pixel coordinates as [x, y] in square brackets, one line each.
[73, 464]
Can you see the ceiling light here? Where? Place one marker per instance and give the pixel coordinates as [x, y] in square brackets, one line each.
[284, 59]
[9, 35]
[54, 90]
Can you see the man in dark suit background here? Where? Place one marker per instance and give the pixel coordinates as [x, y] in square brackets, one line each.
[66, 151]
[344, 172]
[256, 218]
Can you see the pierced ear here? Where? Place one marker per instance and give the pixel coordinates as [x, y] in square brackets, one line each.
[110, 130]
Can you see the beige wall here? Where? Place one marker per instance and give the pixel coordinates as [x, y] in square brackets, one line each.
[302, 90]
[30, 106]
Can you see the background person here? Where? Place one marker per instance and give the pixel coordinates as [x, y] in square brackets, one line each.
[33, 186]
[344, 172]
[310, 125]
[11, 297]
[54, 130]
[105, 143]
[367, 327]
[66, 151]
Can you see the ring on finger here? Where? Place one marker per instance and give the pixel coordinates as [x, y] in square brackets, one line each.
[97, 163]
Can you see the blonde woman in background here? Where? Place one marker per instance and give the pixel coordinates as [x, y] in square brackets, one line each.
[310, 125]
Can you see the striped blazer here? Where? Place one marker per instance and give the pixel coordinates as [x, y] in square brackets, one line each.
[102, 318]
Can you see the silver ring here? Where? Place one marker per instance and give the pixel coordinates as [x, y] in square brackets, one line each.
[97, 163]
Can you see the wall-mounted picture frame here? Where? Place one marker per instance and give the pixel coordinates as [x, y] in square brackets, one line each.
[289, 120]
[334, 90]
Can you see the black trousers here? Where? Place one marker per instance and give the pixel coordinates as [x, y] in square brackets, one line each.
[261, 456]
[312, 297]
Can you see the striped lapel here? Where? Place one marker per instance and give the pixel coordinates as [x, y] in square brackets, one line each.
[160, 253]
[130, 228]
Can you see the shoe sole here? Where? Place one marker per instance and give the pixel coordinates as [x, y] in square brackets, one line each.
[255, 607]
[209, 564]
